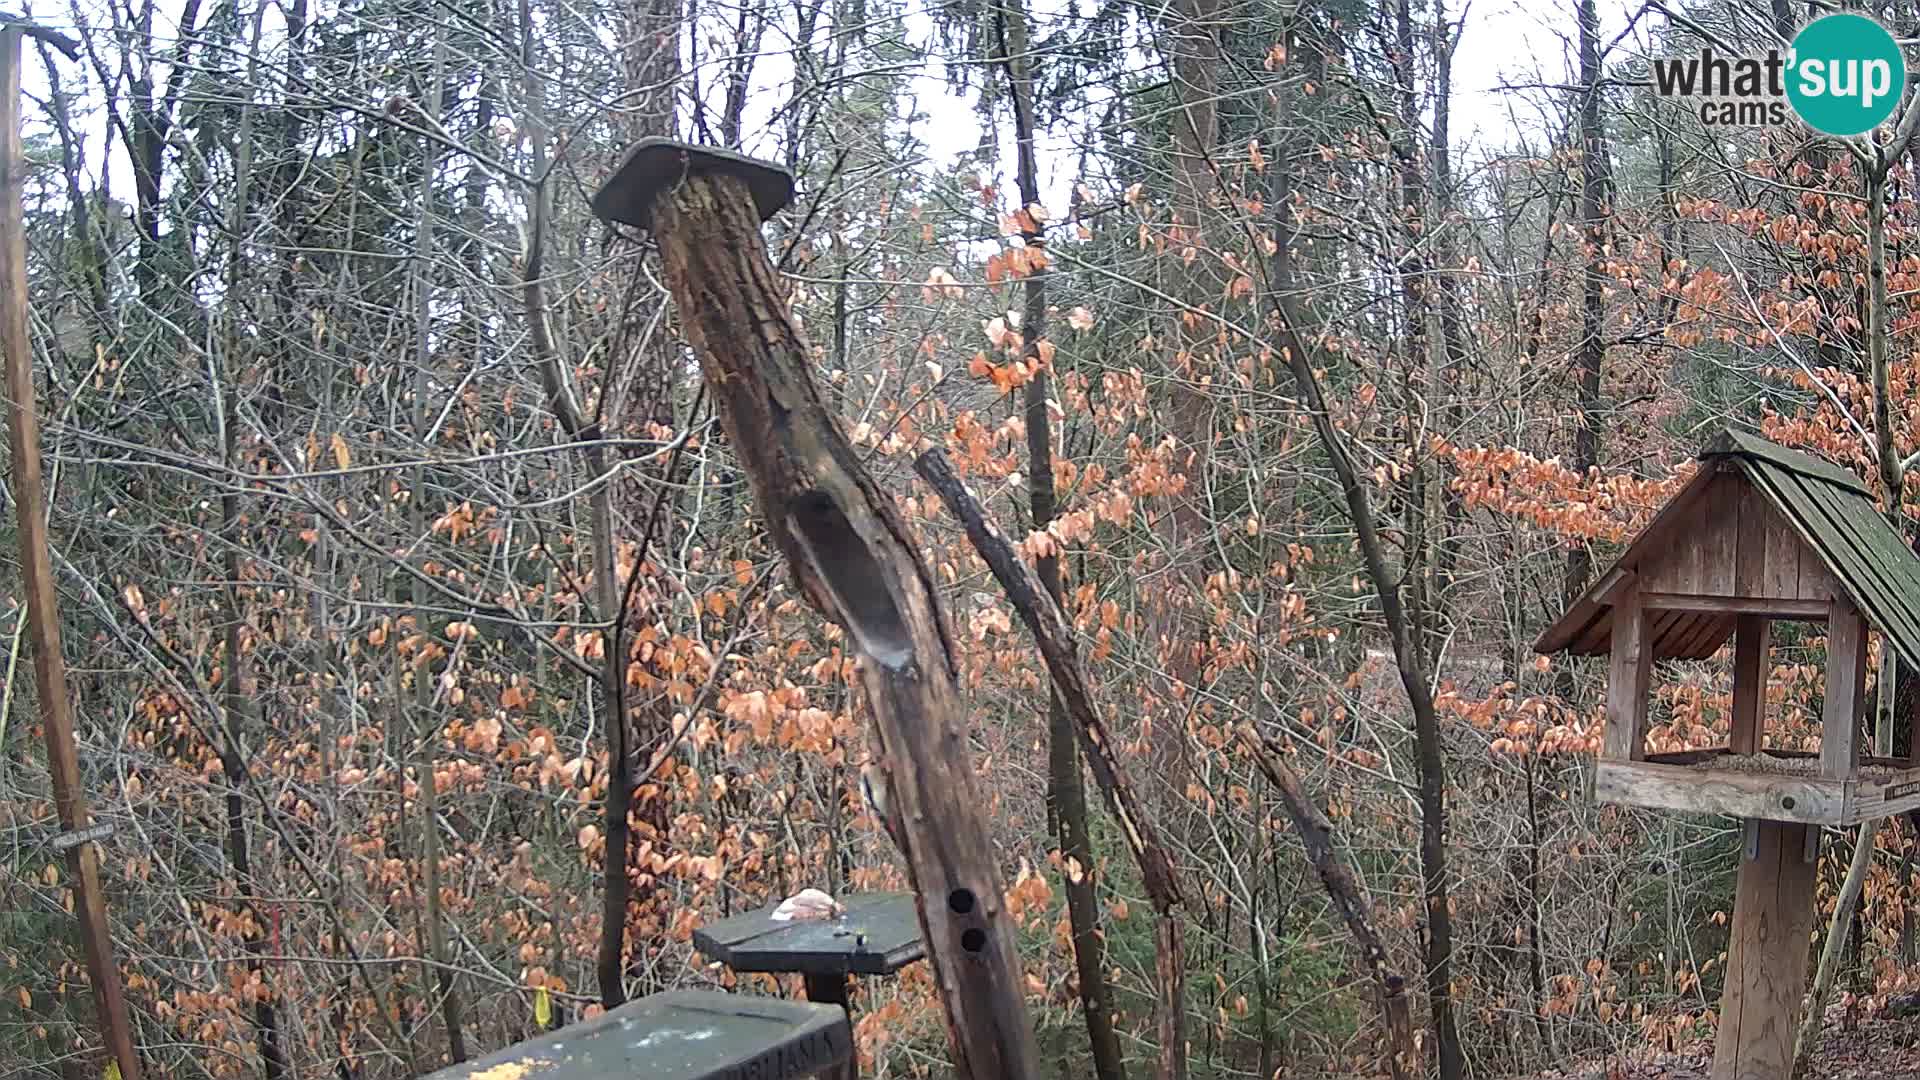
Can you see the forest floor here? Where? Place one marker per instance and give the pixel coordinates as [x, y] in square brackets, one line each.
[1877, 1049]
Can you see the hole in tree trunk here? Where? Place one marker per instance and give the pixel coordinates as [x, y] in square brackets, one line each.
[853, 575]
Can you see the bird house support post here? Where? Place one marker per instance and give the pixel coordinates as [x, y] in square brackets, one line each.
[1773, 900]
[1773, 905]
[850, 552]
[36, 577]
[1766, 970]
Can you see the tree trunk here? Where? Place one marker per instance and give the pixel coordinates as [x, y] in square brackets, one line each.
[1823, 979]
[1401, 629]
[1892, 468]
[1316, 834]
[427, 726]
[1066, 798]
[855, 561]
[1189, 30]
[1536, 930]
[1904, 882]
[237, 690]
[1452, 324]
[1590, 357]
[1051, 632]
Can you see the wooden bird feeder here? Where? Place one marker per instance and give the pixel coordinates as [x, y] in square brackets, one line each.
[1761, 534]
[877, 935]
[680, 1035]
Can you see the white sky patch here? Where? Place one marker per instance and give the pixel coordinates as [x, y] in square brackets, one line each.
[1512, 53]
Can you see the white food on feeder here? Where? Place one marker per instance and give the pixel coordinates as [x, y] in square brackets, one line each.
[806, 905]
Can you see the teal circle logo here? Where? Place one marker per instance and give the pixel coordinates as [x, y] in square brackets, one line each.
[1846, 75]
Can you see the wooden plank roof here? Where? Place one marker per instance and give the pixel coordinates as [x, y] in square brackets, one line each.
[1829, 508]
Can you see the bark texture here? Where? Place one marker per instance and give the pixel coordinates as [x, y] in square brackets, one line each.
[854, 560]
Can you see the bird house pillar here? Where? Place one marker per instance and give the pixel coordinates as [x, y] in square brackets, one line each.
[1629, 678]
[1767, 957]
[1846, 686]
[1752, 644]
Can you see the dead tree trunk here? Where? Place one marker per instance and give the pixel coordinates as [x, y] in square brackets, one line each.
[853, 559]
[1066, 797]
[1316, 835]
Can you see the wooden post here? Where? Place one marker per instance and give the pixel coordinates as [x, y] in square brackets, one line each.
[1629, 678]
[832, 990]
[854, 560]
[1767, 959]
[36, 573]
[1751, 641]
[1846, 684]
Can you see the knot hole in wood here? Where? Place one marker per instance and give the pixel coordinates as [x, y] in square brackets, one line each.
[856, 579]
[961, 902]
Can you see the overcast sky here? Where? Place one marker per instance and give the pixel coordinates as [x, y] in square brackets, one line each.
[1507, 43]
[1509, 48]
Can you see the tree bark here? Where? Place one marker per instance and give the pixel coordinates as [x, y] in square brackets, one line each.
[1590, 356]
[1349, 899]
[855, 561]
[1823, 979]
[1066, 797]
[1904, 882]
[426, 725]
[237, 701]
[1043, 617]
[1438, 942]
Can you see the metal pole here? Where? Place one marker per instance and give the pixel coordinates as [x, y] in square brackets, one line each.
[36, 575]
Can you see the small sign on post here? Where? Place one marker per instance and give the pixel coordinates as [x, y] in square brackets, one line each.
[69, 840]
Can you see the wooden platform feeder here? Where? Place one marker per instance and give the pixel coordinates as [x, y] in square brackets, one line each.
[1761, 534]
[680, 1035]
[876, 935]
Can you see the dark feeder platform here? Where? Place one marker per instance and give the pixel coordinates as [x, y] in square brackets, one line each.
[657, 164]
[680, 1035]
[878, 935]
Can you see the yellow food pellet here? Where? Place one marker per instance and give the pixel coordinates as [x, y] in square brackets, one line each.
[511, 1070]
